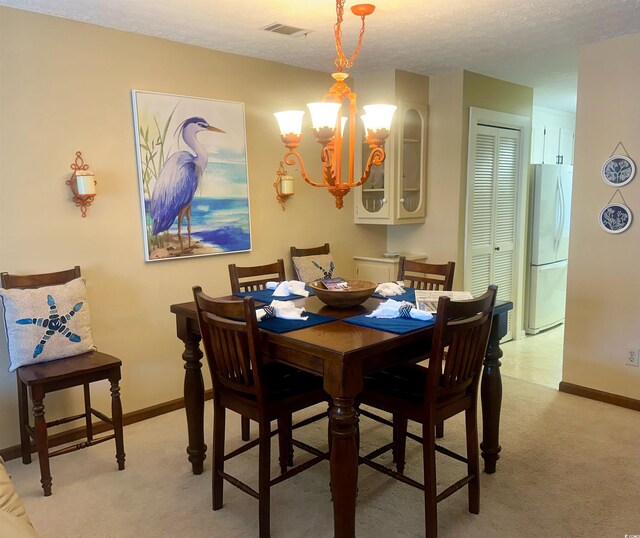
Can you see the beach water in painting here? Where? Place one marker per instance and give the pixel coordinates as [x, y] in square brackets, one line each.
[219, 224]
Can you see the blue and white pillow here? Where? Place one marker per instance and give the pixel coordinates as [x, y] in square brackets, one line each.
[312, 268]
[47, 323]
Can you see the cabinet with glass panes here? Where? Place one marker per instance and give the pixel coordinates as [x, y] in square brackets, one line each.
[395, 190]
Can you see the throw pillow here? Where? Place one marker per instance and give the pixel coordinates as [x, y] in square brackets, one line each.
[311, 268]
[47, 323]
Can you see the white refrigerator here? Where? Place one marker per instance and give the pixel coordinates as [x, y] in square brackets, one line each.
[549, 246]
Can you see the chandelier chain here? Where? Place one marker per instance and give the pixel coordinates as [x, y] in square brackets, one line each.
[342, 62]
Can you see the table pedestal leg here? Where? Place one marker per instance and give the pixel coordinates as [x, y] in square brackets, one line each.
[491, 396]
[194, 399]
[344, 466]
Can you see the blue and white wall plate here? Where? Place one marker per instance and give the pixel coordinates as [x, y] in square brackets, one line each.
[615, 218]
[618, 170]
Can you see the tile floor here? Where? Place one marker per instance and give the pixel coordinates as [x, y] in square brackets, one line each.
[536, 358]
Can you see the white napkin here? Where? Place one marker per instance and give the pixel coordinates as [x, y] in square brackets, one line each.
[288, 287]
[388, 289]
[396, 309]
[281, 309]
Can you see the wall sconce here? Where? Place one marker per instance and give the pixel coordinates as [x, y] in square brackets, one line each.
[82, 184]
[283, 186]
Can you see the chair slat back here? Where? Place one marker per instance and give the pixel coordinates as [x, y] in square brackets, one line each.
[313, 251]
[36, 281]
[231, 342]
[460, 342]
[256, 277]
[426, 276]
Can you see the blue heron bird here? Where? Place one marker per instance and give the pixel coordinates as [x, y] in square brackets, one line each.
[178, 180]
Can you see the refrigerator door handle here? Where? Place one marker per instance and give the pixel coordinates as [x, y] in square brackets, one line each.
[562, 211]
[558, 231]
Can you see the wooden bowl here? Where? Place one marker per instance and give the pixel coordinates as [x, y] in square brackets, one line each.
[359, 291]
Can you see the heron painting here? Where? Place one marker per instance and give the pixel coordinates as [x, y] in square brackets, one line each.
[193, 175]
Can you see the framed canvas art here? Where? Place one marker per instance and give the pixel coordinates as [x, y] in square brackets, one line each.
[193, 176]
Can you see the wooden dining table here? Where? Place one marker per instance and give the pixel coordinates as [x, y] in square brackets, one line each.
[342, 353]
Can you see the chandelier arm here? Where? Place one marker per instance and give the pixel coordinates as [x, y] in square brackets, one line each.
[376, 158]
[330, 173]
[290, 159]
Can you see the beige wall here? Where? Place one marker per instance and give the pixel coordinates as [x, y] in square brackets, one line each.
[450, 98]
[603, 307]
[65, 86]
[437, 237]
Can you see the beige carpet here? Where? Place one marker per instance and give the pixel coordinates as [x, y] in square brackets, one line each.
[569, 468]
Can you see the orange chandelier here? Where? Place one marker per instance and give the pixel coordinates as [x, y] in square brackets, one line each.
[328, 122]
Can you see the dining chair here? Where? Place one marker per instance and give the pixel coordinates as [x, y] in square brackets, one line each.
[261, 391]
[312, 251]
[431, 395]
[304, 269]
[253, 278]
[37, 380]
[426, 276]
[423, 276]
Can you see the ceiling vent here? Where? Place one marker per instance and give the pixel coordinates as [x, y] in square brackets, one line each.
[283, 29]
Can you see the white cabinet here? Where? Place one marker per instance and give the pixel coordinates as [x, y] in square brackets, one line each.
[551, 145]
[395, 192]
[557, 146]
[380, 269]
[565, 146]
[537, 145]
[552, 136]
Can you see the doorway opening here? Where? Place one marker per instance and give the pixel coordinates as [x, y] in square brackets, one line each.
[535, 358]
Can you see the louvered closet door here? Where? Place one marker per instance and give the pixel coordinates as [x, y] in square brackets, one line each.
[491, 224]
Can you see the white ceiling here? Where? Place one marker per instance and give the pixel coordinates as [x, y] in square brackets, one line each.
[529, 42]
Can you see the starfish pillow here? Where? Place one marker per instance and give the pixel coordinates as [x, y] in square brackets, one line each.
[311, 268]
[47, 323]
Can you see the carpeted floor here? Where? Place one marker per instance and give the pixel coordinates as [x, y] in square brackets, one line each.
[569, 468]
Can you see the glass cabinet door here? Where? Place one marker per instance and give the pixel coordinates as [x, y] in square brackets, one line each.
[395, 191]
[373, 198]
[411, 163]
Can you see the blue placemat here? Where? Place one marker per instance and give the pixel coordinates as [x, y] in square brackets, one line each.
[408, 295]
[278, 325]
[391, 325]
[266, 296]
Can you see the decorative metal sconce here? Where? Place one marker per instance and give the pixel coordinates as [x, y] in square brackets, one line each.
[82, 184]
[283, 186]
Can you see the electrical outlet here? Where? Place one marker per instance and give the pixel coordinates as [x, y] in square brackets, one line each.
[634, 358]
